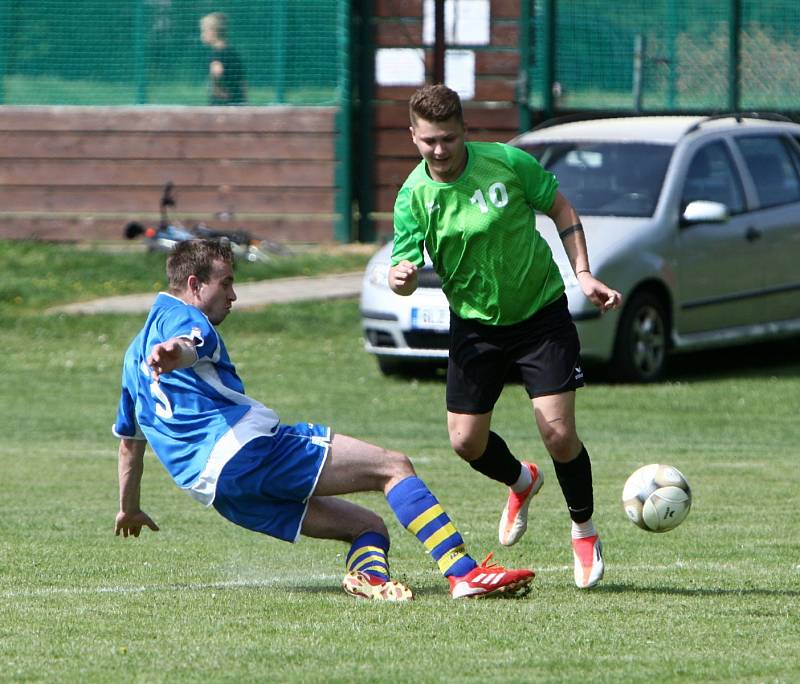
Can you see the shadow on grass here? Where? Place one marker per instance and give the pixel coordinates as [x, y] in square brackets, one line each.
[276, 587]
[779, 358]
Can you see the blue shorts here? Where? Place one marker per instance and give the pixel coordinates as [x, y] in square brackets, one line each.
[267, 485]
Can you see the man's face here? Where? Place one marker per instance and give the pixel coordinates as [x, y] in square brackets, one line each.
[216, 297]
[208, 34]
[441, 144]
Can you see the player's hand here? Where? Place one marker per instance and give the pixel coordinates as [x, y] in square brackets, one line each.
[132, 523]
[600, 294]
[165, 357]
[403, 277]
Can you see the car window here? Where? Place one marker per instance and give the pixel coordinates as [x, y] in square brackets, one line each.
[771, 168]
[794, 152]
[712, 177]
[606, 179]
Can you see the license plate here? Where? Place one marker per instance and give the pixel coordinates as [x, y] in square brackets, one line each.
[430, 318]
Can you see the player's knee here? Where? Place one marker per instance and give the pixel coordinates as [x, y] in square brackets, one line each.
[562, 444]
[399, 465]
[469, 448]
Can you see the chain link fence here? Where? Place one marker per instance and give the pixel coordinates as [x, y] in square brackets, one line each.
[124, 52]
[665, 55]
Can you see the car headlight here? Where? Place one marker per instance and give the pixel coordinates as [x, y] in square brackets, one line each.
[378, 274]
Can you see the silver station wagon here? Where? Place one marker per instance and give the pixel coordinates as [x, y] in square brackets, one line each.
[696, 220]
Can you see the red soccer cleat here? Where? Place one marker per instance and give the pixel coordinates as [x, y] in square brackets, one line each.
[491, 580]
[589, 566]
[514, 520]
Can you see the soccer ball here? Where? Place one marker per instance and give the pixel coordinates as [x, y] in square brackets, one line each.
[657, 497]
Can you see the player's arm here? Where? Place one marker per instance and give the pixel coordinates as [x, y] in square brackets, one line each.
[131, 518]
[175, 353]
[570, 230]
[403, 278]
[407, 251]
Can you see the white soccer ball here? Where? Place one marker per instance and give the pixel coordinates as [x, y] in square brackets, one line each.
[657, 497]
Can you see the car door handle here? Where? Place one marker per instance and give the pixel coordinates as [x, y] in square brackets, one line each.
[752, 234]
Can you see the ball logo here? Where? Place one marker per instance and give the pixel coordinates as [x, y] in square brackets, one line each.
[656, 497]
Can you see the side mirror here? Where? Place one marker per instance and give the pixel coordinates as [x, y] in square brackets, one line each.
[703, 211]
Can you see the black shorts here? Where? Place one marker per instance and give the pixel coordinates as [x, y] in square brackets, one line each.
[545, 348]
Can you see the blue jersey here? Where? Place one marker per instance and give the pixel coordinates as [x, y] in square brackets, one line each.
[195, 419]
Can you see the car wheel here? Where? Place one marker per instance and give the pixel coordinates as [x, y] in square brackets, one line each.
[640, 351]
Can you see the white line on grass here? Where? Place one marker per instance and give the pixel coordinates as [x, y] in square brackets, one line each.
[195, 586]
[285, 582]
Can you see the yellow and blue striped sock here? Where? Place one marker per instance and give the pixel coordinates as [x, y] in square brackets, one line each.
[368, 553]
[422, 515]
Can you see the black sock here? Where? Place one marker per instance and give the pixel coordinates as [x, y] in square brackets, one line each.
[497, 462]
[575, 479]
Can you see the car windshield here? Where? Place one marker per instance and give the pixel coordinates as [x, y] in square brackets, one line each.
[606, 178]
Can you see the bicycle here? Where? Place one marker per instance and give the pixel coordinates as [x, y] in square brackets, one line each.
[171, 231]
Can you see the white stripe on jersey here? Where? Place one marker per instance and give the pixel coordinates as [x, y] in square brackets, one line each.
[254, 423]
[259, 421]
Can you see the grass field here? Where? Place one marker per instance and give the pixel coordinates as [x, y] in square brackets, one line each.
[713, 601]
[37, 275]
[54, 91]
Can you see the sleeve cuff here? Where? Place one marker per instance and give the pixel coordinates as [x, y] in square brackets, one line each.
[138, 435]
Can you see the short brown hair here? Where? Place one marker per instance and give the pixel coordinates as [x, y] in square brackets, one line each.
[218, 23]
[196, 257]
[435, 103]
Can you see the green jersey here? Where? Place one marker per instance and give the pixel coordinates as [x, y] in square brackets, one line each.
[480, 232]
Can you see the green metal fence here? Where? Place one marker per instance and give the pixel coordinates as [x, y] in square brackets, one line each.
[123, 52]
[656, 55]
[665, 55]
